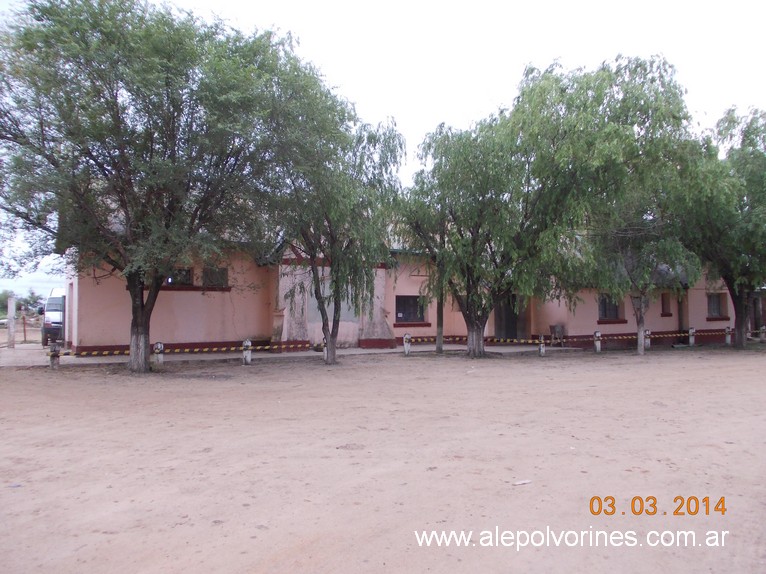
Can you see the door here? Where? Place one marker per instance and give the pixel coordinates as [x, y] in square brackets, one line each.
[506, 318]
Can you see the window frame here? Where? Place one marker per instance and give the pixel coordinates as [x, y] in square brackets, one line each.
[665, 305]
[173, 283]
[722, 311]
[605, 302]
[211, 279]
[419, 318]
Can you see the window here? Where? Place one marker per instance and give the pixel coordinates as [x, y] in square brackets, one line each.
[716, 306]
[54, 304]
[409, 309]
[608, 310]
[665, 301]
[180, 277]
[215, 277]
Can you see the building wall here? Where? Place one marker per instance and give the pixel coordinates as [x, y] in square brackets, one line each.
[690, 311]
[258, 306]
[545, 314]
[299, 322]
[375, 331]
[698, 306]
[102, 309]
[581, 321]
[407, 279]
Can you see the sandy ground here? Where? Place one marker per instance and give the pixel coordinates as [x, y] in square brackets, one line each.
[291, 466]
[31, 330]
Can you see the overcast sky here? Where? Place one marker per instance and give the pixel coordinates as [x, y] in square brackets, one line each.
[426, 62]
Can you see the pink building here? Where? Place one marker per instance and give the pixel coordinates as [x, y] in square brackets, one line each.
[215, 308]
[199, 307]
[706, 308]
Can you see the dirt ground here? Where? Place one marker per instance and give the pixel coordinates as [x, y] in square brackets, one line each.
[289, 466]
[22, 333]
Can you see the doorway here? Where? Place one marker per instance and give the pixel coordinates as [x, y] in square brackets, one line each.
[506, 318]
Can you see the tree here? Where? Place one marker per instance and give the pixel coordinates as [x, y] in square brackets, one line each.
[422, 226]
[639, 256]
[338, 181]
[634, 247]
[32, 301]
[133, 138]
[513, 189]
[466, 184]
[724, 216]
[5, 294]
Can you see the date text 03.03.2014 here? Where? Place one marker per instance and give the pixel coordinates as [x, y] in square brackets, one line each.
[648, 506]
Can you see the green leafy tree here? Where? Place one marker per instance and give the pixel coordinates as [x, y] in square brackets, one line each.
[133, 138]
[421, 224]
[466, 183]
[338, 181]
[724, 216]
[513, 190]
[634, 247]
[5, 294]
[32, 301]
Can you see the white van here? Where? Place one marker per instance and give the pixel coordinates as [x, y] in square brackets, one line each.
[53, 316]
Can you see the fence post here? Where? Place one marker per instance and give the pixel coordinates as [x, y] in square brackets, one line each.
[597, 341]
[728, 336]
[55, 355]
[407, 341]
[542, 346]
[247, 351]
[647, 339]
[691, 336]
[159, 353]
[11, 322]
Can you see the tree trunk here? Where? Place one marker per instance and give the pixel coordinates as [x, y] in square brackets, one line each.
[757, 312]
[329, 331]
[440, 322]
[741, 299]
[330, 341]
[640, 306]
[330, 335]
[476, 339]
[740, 296]
[138, 361]
[141, 313]
[641, 335]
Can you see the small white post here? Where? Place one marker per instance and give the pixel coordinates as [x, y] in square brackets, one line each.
[11, 322]
[55, 355]
[647, 339]
[728, 336]
[247, 352]
[407, 340]
[324, 348]
[542, 346]
[159, 353]
[691, 336]
[597, 341]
